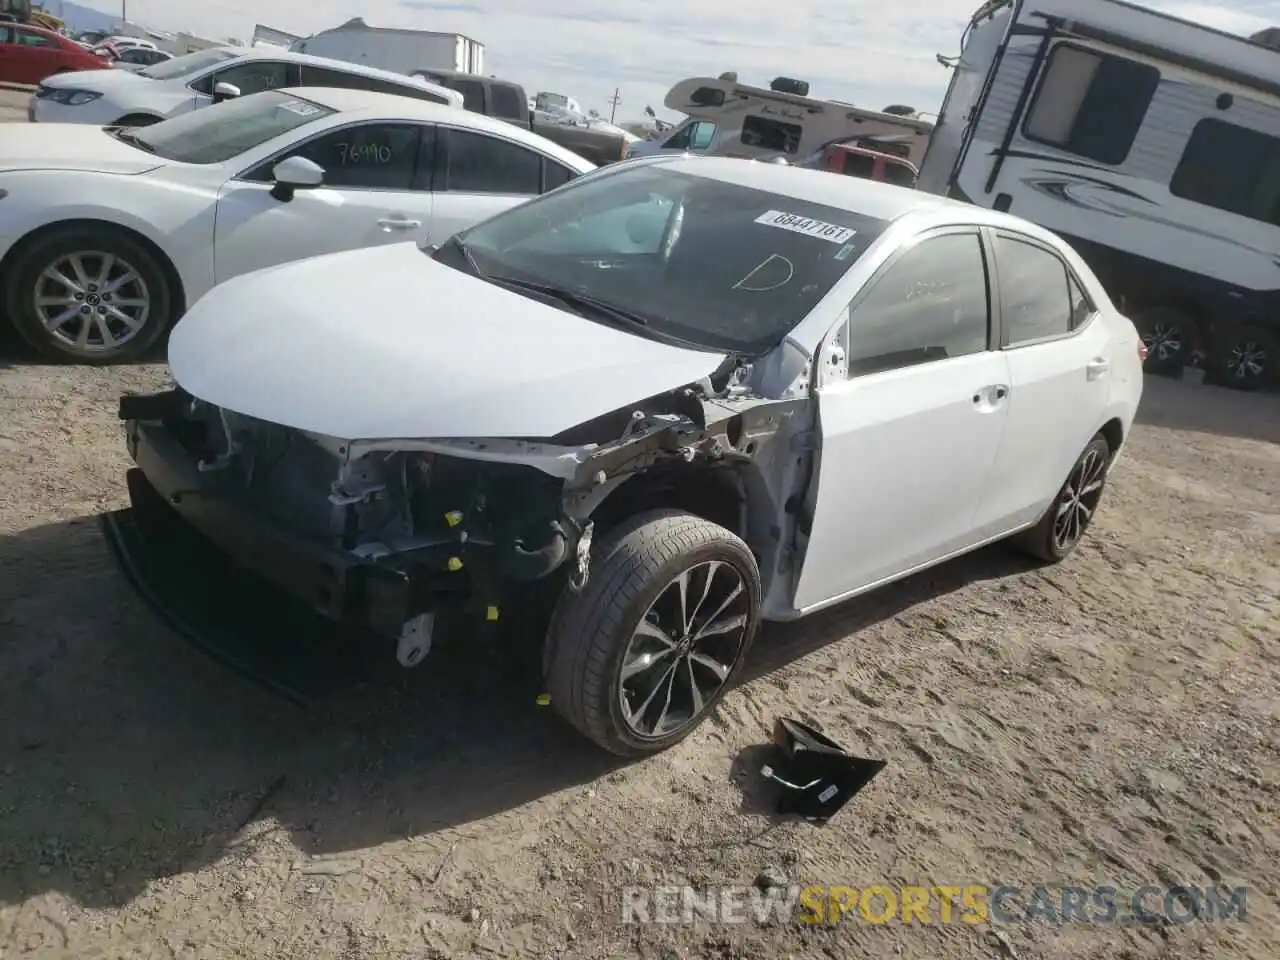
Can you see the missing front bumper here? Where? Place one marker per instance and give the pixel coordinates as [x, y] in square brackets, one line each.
[236, 618]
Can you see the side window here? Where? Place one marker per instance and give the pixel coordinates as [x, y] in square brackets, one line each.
[1230, 168]
[1091, 104]
[6, 34]
[767, 134]
[680, 139]
[858, 165]
[1035, 301]
[28, 39]
[372, 156]
[1081, 307]
[930, 304]
[555, 175]
[508, 102]
[478, 163]
[251, 76]
[472, 93]
[701, 134]
[899, 175]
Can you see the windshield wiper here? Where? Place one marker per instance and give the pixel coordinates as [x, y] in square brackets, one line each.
[579, 301]
[461, 246]
[127, 136]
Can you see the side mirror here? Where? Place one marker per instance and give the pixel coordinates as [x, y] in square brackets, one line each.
[295, 173]
[225, 91]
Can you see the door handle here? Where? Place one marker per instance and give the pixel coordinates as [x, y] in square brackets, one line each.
[990, 397]
[1097, 367]
[398, 223]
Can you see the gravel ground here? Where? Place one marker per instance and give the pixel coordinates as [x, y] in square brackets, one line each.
[1112, 720]
[13, 105]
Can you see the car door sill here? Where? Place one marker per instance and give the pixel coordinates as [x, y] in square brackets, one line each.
[783, 616]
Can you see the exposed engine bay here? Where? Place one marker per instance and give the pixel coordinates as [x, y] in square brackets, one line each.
[458, 522]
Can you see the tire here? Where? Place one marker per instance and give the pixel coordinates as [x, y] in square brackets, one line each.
[1172, 337]
[1245, 358]
[136, 120]
[633, 576]
[150, 297]
[1043, 541]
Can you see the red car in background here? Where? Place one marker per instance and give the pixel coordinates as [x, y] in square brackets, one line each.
[29, 54]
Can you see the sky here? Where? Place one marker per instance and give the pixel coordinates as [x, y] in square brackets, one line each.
[868, 52]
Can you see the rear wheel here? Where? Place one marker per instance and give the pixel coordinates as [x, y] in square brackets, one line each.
[1063, 525]
[1246, 358]
[89, 295]
[639, 657]
[1172, 337]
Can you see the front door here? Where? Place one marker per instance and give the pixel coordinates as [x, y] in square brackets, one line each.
[372, 195]
[1058, 352]
[908, 436]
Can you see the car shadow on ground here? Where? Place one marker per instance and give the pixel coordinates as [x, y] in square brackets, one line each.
[1182, 405]
[125, 755]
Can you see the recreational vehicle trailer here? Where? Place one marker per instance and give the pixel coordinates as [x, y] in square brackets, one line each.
[728, 118]
[1151, 144]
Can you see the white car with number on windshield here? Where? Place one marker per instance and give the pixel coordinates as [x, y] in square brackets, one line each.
[681, 395]
[107, 235]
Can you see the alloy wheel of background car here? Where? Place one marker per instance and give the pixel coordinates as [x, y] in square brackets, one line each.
[88, 294]
[1248, 358]
[1061, 528]
[1172, 340]
[624, 636]
[683, 649]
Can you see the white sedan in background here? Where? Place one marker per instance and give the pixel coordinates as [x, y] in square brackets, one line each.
[108, 234]
[683, 394]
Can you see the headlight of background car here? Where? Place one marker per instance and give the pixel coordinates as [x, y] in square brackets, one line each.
[73, 98]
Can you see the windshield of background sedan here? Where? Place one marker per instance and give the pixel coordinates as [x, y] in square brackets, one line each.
[218, 134]
[704, 261]
[186, 65]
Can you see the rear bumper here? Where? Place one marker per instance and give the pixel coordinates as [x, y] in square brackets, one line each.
[166, 488]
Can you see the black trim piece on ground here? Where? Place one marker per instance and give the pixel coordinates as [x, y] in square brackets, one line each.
[243, 625]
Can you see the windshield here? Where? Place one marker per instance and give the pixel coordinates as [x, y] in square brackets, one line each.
[707, 262]
[219, 133]
[186, 65]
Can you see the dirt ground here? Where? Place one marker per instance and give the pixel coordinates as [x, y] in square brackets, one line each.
[1112, 720]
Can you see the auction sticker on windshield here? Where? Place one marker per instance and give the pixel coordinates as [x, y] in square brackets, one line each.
[810, 228]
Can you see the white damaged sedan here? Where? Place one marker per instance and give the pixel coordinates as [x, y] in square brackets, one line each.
[683, 395]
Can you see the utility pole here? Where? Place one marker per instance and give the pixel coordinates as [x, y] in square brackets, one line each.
[124, 11]
[614, 100]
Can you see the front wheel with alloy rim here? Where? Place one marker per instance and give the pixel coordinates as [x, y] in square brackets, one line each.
[1246, 358]
[1063, 525]
[89, 295]
[640, 656]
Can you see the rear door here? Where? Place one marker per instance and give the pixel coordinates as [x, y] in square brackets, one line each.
[478, 175]
[376, 191]
[908, 434]
[1059, 353]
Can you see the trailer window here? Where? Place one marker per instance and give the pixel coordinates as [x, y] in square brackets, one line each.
[1230, 168]
[1091, 104]
[765, 134]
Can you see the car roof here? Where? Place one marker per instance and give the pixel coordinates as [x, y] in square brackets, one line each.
[871, 198]
[346, 66]
[365, 104]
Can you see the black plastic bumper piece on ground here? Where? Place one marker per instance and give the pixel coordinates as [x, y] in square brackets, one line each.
[236, 618]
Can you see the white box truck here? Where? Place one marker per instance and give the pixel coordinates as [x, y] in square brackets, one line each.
[401, 51]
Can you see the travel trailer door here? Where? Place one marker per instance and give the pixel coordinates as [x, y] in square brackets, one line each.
[971, 78]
